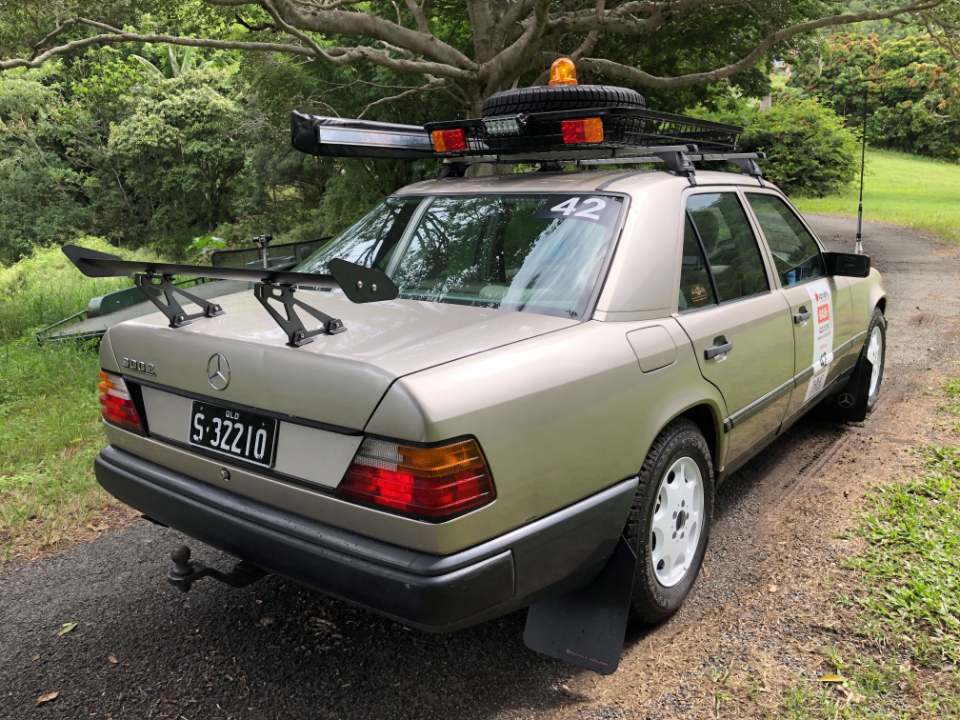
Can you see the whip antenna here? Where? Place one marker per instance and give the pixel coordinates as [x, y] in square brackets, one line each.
[863, 155]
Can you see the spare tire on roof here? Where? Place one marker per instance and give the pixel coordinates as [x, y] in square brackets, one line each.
[545, 98]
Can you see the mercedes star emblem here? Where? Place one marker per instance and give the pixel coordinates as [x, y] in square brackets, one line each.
[218, 371]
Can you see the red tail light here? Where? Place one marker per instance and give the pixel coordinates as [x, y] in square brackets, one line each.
[585, 130]
[432, 483]
[449, 140]
[116, 405]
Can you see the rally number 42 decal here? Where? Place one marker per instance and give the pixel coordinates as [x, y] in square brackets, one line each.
[588, 208]
[592, 208]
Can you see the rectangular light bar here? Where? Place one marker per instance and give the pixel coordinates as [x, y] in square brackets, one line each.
[344, 137]
[502, 126]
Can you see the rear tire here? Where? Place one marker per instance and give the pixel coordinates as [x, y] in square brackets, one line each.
[862, 391]
[560, 97]
[674, 501]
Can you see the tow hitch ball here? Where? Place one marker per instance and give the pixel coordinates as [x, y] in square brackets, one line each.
[183, 573]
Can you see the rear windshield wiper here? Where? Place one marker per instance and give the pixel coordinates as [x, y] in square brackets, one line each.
[274, 289]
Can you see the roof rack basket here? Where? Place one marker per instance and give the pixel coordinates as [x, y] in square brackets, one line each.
[625, 135]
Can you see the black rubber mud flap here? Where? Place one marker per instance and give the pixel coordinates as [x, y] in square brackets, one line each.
[860, 386]
[586, 627]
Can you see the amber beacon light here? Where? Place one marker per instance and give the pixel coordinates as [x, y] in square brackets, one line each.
[563, 72]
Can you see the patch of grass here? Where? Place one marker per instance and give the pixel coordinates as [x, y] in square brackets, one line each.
[874, 689]
[912, 562]
[49, 419]
[952, 388]
[49, 435]
[908, 602]
[44, 287]
[902, 189]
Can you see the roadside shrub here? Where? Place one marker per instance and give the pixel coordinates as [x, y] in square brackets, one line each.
[912, 87]
[809, 150]
[44, 286]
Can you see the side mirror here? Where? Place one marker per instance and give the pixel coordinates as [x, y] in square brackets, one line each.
[847, 264]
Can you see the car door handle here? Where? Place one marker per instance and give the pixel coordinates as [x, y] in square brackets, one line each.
[720, 347]
[801, 316]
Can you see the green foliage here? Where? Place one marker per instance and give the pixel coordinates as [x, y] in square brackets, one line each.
[205, 245]
[912, 87]
[809, 151]
[181, 149]
[45, 287]
[39, 189]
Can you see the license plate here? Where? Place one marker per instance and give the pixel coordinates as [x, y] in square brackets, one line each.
[237, 433]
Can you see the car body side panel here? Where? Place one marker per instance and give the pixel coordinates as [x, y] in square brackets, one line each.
[867, 294]
[636, 284]
[756, 376]
[559, 417]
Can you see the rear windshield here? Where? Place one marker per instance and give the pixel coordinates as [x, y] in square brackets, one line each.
[538, 253]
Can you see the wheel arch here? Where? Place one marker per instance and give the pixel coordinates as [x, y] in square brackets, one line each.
[706, 417]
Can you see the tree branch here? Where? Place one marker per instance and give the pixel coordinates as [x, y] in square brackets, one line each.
[634, 76]
[336, 55]
[238, 18]
[419, 17]
[363, 24]
[511, 59]
[127, 37]
[432, 84]
[66, 25]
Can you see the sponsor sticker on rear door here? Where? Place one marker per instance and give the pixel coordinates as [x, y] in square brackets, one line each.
[822, 315]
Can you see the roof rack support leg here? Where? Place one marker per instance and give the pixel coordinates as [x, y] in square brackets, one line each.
[748, 166]
[678, 162]
[161, 291]
[270, 294]
[452, 169]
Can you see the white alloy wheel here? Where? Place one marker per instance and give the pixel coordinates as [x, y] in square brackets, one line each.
[875, 356]
[677, 521]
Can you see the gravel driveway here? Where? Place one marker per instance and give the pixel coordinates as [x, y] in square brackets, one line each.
[273, 650]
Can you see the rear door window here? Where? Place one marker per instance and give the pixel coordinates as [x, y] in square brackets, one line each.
[795, 252]
[730, 245]
[696, 286]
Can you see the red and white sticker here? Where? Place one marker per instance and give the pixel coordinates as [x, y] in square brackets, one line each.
[822, 314]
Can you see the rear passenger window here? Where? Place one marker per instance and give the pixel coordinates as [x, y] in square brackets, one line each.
[696, 288]
[731, 248]
[795, 252]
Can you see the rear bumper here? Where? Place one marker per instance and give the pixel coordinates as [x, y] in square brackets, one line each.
[431, 592]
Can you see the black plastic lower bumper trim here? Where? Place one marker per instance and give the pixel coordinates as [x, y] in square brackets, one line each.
[431, 592]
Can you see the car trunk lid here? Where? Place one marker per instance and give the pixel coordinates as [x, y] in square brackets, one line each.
[336, 380]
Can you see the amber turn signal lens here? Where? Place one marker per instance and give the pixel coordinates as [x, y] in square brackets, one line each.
[431, 483]
[585, 130]
[563, 72]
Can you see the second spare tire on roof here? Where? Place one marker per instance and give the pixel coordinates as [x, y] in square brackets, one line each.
[546, 98]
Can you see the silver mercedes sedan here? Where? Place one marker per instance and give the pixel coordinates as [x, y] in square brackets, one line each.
[573, 360]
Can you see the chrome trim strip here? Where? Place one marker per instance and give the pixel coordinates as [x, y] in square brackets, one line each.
[757, 405]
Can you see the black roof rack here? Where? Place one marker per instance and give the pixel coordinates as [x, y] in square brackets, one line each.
[629, 135]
